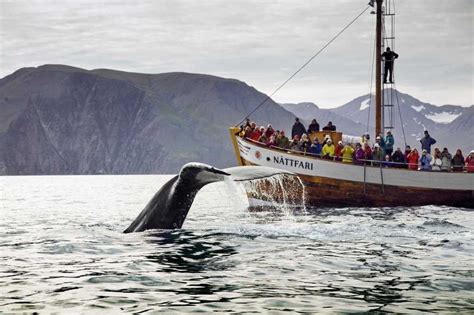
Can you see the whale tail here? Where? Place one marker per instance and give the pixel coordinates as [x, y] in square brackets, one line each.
[170, 205]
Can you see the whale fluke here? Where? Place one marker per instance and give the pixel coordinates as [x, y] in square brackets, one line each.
[170, 205]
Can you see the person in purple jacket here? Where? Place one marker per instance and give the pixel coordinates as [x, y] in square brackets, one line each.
[359, 155]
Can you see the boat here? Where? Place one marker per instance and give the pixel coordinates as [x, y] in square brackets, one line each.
[330, 183]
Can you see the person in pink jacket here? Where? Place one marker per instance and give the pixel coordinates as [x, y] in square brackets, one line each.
[470, 162]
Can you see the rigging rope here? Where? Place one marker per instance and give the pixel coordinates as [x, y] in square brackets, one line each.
[400, 114]
[304, 65]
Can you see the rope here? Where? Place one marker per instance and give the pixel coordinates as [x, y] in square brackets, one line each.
[304, 65]
[400, 114]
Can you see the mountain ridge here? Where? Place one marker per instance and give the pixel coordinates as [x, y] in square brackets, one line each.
[57, 119]
[64, 120]
[453, 132]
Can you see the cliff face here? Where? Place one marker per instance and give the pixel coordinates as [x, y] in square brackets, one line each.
[64, 120]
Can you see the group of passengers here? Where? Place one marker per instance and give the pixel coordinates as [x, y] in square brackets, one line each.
[381, 153]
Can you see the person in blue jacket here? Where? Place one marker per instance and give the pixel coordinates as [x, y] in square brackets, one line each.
[427, 142]
[389, 142]
[425, 161]
[315, 147]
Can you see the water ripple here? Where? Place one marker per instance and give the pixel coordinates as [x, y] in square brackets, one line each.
[63, 251]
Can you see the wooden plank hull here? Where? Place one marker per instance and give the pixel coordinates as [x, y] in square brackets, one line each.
[329, 183]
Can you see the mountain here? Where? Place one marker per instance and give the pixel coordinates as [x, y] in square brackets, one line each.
[57, 119]
[452, 126]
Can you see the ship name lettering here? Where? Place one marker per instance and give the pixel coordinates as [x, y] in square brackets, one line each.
[293, 163]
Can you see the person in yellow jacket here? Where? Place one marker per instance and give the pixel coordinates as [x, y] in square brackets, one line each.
[347, 154]
[328, 149]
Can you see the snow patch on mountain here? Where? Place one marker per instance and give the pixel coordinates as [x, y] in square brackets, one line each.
[418, 108]
[365, 104]
[443, 117]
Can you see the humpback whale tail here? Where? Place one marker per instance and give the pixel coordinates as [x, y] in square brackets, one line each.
[170, 205]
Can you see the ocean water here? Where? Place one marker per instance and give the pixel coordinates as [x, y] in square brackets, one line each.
[63, 250]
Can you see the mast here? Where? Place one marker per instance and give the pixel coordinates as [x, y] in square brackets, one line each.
[378, 71]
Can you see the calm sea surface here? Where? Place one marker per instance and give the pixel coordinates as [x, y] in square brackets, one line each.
[62, 250]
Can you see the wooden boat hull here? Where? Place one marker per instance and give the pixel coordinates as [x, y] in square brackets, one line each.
[329, 183]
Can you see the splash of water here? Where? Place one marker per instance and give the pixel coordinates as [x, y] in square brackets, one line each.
[283, 193]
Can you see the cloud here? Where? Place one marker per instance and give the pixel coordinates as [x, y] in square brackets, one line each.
[259, 42]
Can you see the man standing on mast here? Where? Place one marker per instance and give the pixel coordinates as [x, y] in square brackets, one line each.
[389, 57]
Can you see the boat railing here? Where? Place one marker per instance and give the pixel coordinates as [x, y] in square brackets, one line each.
[366, 162]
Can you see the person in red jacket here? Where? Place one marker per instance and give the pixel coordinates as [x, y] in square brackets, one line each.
[338, 151]
[368, 153]
[470, 162]
[269, 131]
[412, 159]
[257, 133]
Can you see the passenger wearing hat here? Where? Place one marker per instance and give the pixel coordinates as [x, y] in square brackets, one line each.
[389, 142]
[338, 151]
[470, 162]
[425, 161]
[380, 141]
[378, 154]
[326, 138]
[263, 138]
[269, 131]
[305, 142]
[366, 139]
[328, 149]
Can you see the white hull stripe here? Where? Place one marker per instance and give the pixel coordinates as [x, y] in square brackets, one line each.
[303, 165]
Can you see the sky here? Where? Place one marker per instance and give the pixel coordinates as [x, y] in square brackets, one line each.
[260, 42]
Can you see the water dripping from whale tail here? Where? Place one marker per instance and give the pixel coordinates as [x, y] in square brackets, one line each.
[280, 192]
